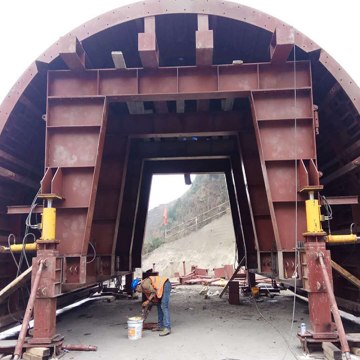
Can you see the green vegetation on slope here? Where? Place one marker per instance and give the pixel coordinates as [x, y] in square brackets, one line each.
[206, 192]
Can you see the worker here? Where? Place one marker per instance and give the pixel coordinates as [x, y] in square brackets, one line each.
[157, 289]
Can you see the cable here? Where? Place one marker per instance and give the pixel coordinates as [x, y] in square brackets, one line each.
[23, 252]
[89, 262]
[328, 210]
[296, 206]
[11, 252]
[278, 331]
[24, 241]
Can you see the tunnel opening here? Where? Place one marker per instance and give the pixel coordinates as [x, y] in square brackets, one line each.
[174, 230]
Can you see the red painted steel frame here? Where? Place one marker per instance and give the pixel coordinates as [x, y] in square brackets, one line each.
[95, 191]
[76, 121]
[150, 8]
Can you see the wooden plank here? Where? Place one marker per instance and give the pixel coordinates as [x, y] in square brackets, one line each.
[233, 276]
[118, 59]
[9, 175]
[7, 344]
[15, 284]
[331, 351]
[345, 274]
[228, 104]
[136, 107]
[180, 106]
[353, 337]
[355, 350]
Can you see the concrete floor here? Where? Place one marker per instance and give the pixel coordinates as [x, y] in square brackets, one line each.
[201, 329]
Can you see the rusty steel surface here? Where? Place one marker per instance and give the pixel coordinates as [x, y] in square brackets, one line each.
[79, 347]
[154, 8]
[334, 308]
[207, 105]
[185, 83]
[272, 99]
[29, 309]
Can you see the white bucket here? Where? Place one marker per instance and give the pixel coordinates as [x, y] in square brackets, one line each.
[135, 328]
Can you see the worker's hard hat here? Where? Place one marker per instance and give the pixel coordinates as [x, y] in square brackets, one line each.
[135, 283]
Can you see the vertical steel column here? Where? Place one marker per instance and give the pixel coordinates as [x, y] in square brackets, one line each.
[319, 306]
[49, 286]
[128, 280]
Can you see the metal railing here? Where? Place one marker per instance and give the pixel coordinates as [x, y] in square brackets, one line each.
[196, 222]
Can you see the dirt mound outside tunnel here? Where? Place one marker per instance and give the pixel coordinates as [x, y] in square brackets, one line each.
[211, 247]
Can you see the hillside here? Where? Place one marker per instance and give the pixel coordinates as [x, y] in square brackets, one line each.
[211, 247]
[206, 193]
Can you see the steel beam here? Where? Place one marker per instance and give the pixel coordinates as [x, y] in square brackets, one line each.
[342, 171]
[5, 157]
[147, 43]
[343, 200]
[23, 209]
[181, 83]
[72, 52]
[11, 176]
[204, 41]
[282, 42]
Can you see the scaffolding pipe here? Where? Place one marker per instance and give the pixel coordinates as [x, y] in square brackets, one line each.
[28, 312]
[79, 347]
[334, 309]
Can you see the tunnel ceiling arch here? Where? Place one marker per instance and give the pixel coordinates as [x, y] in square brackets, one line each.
[240, 32]
[255, 24]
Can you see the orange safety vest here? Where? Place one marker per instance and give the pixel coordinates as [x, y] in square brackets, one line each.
[158, 284]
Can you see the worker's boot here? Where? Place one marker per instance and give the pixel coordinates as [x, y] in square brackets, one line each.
[165, 332]
[158, 329]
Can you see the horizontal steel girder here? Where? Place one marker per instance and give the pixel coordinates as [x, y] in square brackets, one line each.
[176, 83]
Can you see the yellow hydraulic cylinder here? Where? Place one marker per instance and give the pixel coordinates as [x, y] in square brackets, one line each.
[313, 216]
[48, 223]
[341, 238]
[19, 247]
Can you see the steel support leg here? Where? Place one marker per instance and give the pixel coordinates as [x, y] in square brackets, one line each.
[334, 308]
[319, 305]
[128, 280]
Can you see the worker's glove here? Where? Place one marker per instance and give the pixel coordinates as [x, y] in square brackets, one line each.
[145, 304]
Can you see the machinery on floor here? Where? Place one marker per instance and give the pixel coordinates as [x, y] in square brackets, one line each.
[163, 87]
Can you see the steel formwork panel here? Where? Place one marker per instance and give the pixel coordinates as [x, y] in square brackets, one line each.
[176, 83]
[75, 107]
[74, 129]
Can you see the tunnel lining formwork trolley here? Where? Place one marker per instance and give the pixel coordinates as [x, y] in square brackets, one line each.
[160, 87]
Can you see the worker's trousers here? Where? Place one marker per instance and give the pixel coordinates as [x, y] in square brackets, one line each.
[163, 307]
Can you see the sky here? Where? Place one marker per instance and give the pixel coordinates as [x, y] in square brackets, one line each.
[27, 28]
[166, 188]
